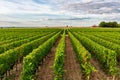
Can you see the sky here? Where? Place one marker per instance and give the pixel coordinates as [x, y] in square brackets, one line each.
[38, 13]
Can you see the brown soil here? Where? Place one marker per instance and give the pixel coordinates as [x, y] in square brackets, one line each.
[15, 73]
[72, 67]
[45, 71]
[118, 75]
[99, 74]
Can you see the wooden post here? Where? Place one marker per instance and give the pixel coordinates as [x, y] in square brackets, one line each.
[16, 67]
[9, 72]
[113, 77]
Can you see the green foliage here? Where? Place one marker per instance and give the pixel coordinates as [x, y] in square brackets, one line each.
[102, 24]
[12, 45]
[107, 57]
[59, 59]
[11, 56]
[108, 24]
[119, 25]
[83, 56]
[112, 37]
[31, 61]
[105, 43]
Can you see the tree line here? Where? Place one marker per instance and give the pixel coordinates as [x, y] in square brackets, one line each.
[109, 24]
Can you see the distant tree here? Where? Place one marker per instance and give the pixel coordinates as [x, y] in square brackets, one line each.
[108, 24]
[115, 24]
[118, 25]
[102, 24]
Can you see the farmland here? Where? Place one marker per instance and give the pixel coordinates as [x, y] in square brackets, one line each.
[60, 54]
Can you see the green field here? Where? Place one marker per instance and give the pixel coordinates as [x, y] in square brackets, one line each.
[59, 53]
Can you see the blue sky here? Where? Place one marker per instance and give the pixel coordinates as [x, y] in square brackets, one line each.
[58, 12]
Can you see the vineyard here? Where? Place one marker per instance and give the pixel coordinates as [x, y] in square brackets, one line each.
[59, 54]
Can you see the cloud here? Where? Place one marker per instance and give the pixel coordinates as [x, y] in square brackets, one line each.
[23, 6]
[94, 7]
[58, 12]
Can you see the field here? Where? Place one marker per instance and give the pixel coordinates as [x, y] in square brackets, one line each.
[60, 54]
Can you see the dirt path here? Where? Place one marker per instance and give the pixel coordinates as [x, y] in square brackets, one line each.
[14, 74]
[72, 67]
[45, 71]
[99, 74]
[118, 75]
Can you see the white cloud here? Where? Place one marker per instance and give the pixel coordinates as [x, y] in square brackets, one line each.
[25, 12]
[23, 6]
